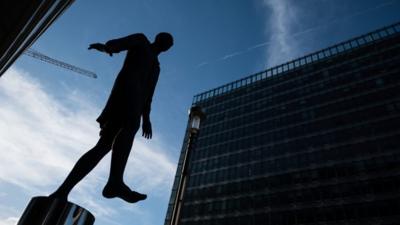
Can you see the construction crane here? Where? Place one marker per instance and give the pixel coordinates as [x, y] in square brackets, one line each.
[40, 56]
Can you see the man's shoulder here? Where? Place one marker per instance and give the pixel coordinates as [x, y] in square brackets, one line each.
[140, 37]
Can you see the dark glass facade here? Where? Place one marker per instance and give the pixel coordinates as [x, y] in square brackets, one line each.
[312, 141]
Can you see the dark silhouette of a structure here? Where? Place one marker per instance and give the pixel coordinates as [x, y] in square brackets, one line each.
[50, 211]
[22, 23]
[130, 100]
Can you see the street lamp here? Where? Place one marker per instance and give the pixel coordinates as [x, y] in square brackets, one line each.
[196, 115]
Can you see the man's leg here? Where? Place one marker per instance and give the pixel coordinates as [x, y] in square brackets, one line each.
[84, 165]
[121, 148]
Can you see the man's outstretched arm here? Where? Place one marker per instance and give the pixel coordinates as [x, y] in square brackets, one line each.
[100, 47]
[120, 44]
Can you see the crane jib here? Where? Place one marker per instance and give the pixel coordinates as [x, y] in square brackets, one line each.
[37, 55]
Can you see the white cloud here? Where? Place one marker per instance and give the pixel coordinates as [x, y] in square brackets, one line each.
[281, 46]
[41, 139]
[9, 221]
[150, 167]
[202, 64]
[283, 16]
[231, 55]
[8, 215]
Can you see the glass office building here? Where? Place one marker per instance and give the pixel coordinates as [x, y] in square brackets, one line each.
[313, 141]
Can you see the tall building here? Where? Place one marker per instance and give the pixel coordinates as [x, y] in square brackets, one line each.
[22, 22]
[313, 141]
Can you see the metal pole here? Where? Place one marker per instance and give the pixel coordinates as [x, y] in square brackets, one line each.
[195, 116]
[183, 180]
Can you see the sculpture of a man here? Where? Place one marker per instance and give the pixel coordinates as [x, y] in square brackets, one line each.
[129, 102]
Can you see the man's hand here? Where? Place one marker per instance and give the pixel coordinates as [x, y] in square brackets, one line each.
[99, 47]
[146, 129]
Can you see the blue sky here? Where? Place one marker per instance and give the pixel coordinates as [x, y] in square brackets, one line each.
[47, 114]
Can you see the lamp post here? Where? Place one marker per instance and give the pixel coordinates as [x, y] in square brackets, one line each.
[52, 211]
[195, 117]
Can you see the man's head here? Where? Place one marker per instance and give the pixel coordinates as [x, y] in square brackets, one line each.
[163, 41]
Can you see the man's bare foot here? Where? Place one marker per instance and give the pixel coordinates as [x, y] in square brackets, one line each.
[122, 191]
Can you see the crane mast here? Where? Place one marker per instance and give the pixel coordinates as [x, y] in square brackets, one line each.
[40, 56]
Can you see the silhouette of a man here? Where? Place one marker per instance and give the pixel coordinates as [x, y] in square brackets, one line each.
[119, 121]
